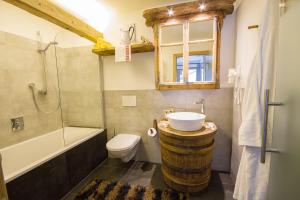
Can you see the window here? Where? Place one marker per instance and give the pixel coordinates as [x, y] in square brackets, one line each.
[200, 67]
[188, 54]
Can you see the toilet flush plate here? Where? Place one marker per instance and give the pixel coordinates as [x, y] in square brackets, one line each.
[129, 101]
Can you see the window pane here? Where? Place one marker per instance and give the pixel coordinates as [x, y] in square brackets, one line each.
[201, 58]
[192, 75]
[179, 71]
[171, 64]
[203, 46]
[201, 30]
[172, 34]
[200, 67]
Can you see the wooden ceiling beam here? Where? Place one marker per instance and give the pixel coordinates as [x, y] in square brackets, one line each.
[57, 15]
[187, 9]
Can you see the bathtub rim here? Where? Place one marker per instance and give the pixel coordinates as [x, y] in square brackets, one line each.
[39, 162]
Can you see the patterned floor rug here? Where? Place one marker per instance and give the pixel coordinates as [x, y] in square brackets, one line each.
[107, 190]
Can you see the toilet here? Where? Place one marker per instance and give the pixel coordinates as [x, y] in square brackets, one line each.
[123, 146]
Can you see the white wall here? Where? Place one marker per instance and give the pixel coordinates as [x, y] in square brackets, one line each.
[227, 49]
[139, 74]
[19, 22]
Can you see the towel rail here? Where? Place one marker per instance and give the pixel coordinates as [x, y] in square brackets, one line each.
[264, 148]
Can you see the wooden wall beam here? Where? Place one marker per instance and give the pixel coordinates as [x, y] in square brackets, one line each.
[57, 15]
[135, 48]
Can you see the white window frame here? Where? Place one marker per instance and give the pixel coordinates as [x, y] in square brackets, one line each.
[186, 43]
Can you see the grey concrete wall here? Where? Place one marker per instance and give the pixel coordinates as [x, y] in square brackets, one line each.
[150, 106]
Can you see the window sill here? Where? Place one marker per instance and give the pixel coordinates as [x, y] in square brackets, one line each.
[188, 86]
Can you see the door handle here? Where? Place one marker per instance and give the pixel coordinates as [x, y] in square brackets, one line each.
[272, 150]
[264, 148]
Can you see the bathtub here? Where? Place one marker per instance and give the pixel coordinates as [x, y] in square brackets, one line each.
[58, 150]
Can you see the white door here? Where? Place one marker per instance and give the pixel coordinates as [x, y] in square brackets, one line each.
[284, 183]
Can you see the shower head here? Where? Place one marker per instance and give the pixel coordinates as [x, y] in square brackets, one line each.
[48, 45]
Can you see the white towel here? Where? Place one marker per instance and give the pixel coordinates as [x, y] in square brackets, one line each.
[123, 53]
[260, 78]
[252, 178]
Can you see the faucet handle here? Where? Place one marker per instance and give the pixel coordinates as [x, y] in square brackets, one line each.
[168, 111]
[200, 101]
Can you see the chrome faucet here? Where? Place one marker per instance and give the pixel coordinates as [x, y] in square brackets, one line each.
[201, 103]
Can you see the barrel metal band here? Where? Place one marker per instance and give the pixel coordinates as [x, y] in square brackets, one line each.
[165, 143]
[182, 182]
[182, 170]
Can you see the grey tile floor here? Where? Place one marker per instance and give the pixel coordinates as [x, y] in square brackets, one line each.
[220, 187]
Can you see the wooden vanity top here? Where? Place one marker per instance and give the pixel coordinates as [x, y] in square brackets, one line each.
[207, 129]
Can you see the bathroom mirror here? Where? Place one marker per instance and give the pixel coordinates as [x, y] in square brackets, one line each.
[188, 53]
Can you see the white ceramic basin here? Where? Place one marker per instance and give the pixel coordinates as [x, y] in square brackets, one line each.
[186, 121]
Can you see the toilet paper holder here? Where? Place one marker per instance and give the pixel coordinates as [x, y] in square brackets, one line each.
[155, 124]
[152, 132]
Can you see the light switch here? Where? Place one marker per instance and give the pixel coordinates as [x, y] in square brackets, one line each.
[128, 101]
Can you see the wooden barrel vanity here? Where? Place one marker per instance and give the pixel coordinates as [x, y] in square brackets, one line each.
[186, 157]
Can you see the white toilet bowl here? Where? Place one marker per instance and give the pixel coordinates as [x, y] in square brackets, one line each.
[123, 146]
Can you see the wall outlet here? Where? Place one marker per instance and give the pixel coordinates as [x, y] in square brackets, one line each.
[17, 124]
[128, 101]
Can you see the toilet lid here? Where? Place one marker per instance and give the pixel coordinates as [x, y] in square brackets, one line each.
[122, 142]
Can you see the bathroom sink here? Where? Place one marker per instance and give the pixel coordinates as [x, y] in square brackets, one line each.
[186, 121]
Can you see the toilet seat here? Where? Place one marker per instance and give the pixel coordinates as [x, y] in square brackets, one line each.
[122, 142]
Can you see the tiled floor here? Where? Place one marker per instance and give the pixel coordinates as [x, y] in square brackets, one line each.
[220, 187]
